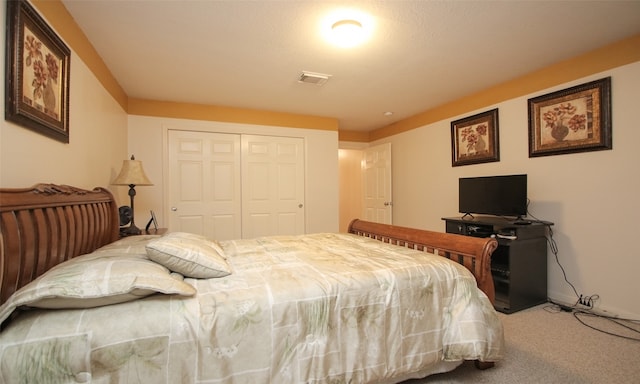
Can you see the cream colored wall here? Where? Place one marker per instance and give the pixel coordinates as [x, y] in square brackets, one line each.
[97, 146]
[350, 161]
[147, 140]
[591, 197]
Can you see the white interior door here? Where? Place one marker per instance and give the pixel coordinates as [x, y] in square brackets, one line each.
[205, 184]
[272, 186]
[377, 202]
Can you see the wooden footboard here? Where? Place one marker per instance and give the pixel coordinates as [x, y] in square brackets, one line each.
[472, 252]
[47, 224]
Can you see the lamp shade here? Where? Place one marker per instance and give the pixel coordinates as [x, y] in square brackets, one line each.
[132, 173]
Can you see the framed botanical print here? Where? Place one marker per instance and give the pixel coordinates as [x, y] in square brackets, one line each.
[575, 119]
[37, 73]
[474, 139]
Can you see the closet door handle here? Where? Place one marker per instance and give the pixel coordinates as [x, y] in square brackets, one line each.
[174, 209]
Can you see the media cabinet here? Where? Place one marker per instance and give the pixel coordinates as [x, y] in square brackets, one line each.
[518, 265]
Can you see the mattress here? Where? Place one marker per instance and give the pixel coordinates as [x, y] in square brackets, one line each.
[317, 308]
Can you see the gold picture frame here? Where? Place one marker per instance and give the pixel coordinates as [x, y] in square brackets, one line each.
[576, 119]
[475, 140]
[37, 73]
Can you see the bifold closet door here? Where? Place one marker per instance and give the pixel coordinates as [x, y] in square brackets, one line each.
[272, 186]
[231, 186]
[205, 183]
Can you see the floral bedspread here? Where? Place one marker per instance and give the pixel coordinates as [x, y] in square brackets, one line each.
[320, 308]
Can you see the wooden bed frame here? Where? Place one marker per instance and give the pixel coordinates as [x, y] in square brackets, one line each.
[472, 252]
[47, 224]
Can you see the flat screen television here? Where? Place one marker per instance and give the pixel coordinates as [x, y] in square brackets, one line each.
[494, 195]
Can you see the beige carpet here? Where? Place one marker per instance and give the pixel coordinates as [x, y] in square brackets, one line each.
[547, 346]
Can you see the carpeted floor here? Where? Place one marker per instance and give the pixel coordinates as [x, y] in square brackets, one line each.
[544, 345]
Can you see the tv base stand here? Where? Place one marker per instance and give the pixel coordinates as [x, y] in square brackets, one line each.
[519, 264]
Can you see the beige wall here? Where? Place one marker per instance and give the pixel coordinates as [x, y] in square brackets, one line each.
[350, 186]
[147, 141]
[591, 197]
[97, 146]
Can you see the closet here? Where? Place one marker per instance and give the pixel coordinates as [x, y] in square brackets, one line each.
[229, 186]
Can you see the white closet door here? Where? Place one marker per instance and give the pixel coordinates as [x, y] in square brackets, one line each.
[272, 186]
[377, 201]
[205, 184]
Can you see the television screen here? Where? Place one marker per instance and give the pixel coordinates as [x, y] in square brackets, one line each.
[494, 195]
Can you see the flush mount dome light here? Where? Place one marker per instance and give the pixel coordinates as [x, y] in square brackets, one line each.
[347, 33]
[347, 28]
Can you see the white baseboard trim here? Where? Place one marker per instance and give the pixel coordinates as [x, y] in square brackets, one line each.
[599, 308]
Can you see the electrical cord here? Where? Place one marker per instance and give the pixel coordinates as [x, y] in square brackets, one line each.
[559, 308]
[615, 320]
[554, 249]
[588, 301]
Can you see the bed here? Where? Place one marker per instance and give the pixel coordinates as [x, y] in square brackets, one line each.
[380, 304]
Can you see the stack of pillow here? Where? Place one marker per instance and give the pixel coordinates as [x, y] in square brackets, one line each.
[128, 269]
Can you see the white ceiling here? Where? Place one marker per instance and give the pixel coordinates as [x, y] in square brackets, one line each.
[249, 54]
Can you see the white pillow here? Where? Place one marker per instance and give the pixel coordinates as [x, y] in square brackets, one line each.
[129, 245]
[201, 239]
[187, 256]
[86, 282]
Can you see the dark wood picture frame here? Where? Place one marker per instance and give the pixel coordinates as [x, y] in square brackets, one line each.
[576, 119]
[475, 139]
[37, 73]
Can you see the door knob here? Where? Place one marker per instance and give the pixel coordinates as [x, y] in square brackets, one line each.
[174, 209]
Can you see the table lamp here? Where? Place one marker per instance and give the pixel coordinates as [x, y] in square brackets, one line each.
[132, 174]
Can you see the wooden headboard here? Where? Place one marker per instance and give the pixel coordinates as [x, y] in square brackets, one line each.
[472, 252]
[47, 224]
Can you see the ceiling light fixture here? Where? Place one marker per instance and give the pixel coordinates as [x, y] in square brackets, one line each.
[347, 33]
[346, 27]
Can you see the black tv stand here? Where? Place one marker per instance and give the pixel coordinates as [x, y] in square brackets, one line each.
[519, 264]
[521, 222]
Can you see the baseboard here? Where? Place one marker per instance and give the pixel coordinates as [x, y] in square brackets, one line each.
[599, 308]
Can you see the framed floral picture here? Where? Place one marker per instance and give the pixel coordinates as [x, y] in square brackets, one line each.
[575, 119]
[37, 73]
[474, 139]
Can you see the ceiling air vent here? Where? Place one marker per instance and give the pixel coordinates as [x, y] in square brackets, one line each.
[313, 78]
